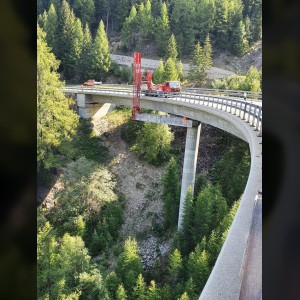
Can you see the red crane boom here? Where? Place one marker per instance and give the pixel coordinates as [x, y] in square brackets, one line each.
[136, 84]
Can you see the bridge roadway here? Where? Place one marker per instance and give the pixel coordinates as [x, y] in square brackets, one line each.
[237, 270]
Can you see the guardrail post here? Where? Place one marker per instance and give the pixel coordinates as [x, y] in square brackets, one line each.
[258, 118]
[245, 109]
[249, 112]
[254, 114]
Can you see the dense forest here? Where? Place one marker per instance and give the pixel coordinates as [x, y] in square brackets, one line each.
[79, 234]
[78, 33]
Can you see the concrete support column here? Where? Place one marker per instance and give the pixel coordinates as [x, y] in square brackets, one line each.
[87, 108]
[189, 165]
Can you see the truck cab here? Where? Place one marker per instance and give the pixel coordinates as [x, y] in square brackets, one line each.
[172, 87]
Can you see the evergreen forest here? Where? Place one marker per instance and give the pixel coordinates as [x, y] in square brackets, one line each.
[80, 251]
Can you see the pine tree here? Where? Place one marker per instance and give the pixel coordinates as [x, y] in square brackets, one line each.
[207, 54]
[175, 268]
[162, 30]
[170, 70]
[196, 66]
[159, 73]
[123, 10]
[85, 60]
[85, 10]
[184, 296]
[248, 35]
[171, 50]
[55, 121]
[101, 59]
[186, 242]
[69, 40]
[179, 68]
[182, 24]
[113, 284]
[220, 30]
[198, 268]
[129, 264]
[121, 293]
[171, 193]
[51, 28]
[214, 246]
[128, 29]
[153, 292]
[139, 290]
[204, 24]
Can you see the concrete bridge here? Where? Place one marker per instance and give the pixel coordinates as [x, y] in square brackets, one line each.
[237, 271]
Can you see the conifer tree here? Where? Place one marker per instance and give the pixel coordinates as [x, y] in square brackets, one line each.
[186, 242]
[55, 121]
[123, 10]
[85, 10]
[51, 28]
[214, 245]
[207, 54]
[128, 29]
[179, 68]
[162, 30]
[139, 290]
[85, 60]
[101, 59]
[121, 293]
[171, 51]
[204, 24]
[129, 264]
[198, 268]
[220, 30]
[240, 43]
[182, 24]
[171, 193]
[42, 20]
[159, 73]
[196, 66]
[175, 268]
[190, 288]
[184, 296]
[113, 283]
[153, 292]
[248, 35]
[170, 70]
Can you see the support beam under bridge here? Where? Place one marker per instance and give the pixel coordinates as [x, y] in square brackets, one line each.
[169, 120]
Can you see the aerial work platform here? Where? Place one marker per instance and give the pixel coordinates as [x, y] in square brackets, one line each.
[169, 120]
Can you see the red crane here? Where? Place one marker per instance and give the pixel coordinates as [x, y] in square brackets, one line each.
[136, 84]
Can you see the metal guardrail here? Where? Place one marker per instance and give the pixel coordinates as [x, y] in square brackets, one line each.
[250, 112]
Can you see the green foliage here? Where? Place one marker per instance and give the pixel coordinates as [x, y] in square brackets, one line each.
[101, 59]
[153, 292]
[121, 293]
[231, 172]
[129, 27]
[51, 28]
[129, 264]
[162, 30]
[123, 73]
[210, 209]
[159, 73]
[184, 296]
[251, 82]
[207, 54]
[139, 290]
[179, 68]
[170, 70]
[171, 50]
[182, 24]
[200, 182]
[113, 283]
[56, 122]
[69, 40]
[186, 241]
[196, 65]
[85, 143]
[198, 268]
[85, 10]
[171, 193]
[175, 268]
[153, 143]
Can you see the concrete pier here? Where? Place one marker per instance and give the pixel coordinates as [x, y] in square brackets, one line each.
[189, 165]
[87, 108]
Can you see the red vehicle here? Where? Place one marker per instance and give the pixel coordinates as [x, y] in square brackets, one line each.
[169, 88]
[92, 82]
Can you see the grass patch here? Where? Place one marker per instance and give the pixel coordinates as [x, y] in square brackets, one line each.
[119, 116]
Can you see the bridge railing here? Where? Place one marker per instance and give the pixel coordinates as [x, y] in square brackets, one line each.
[250, 112]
